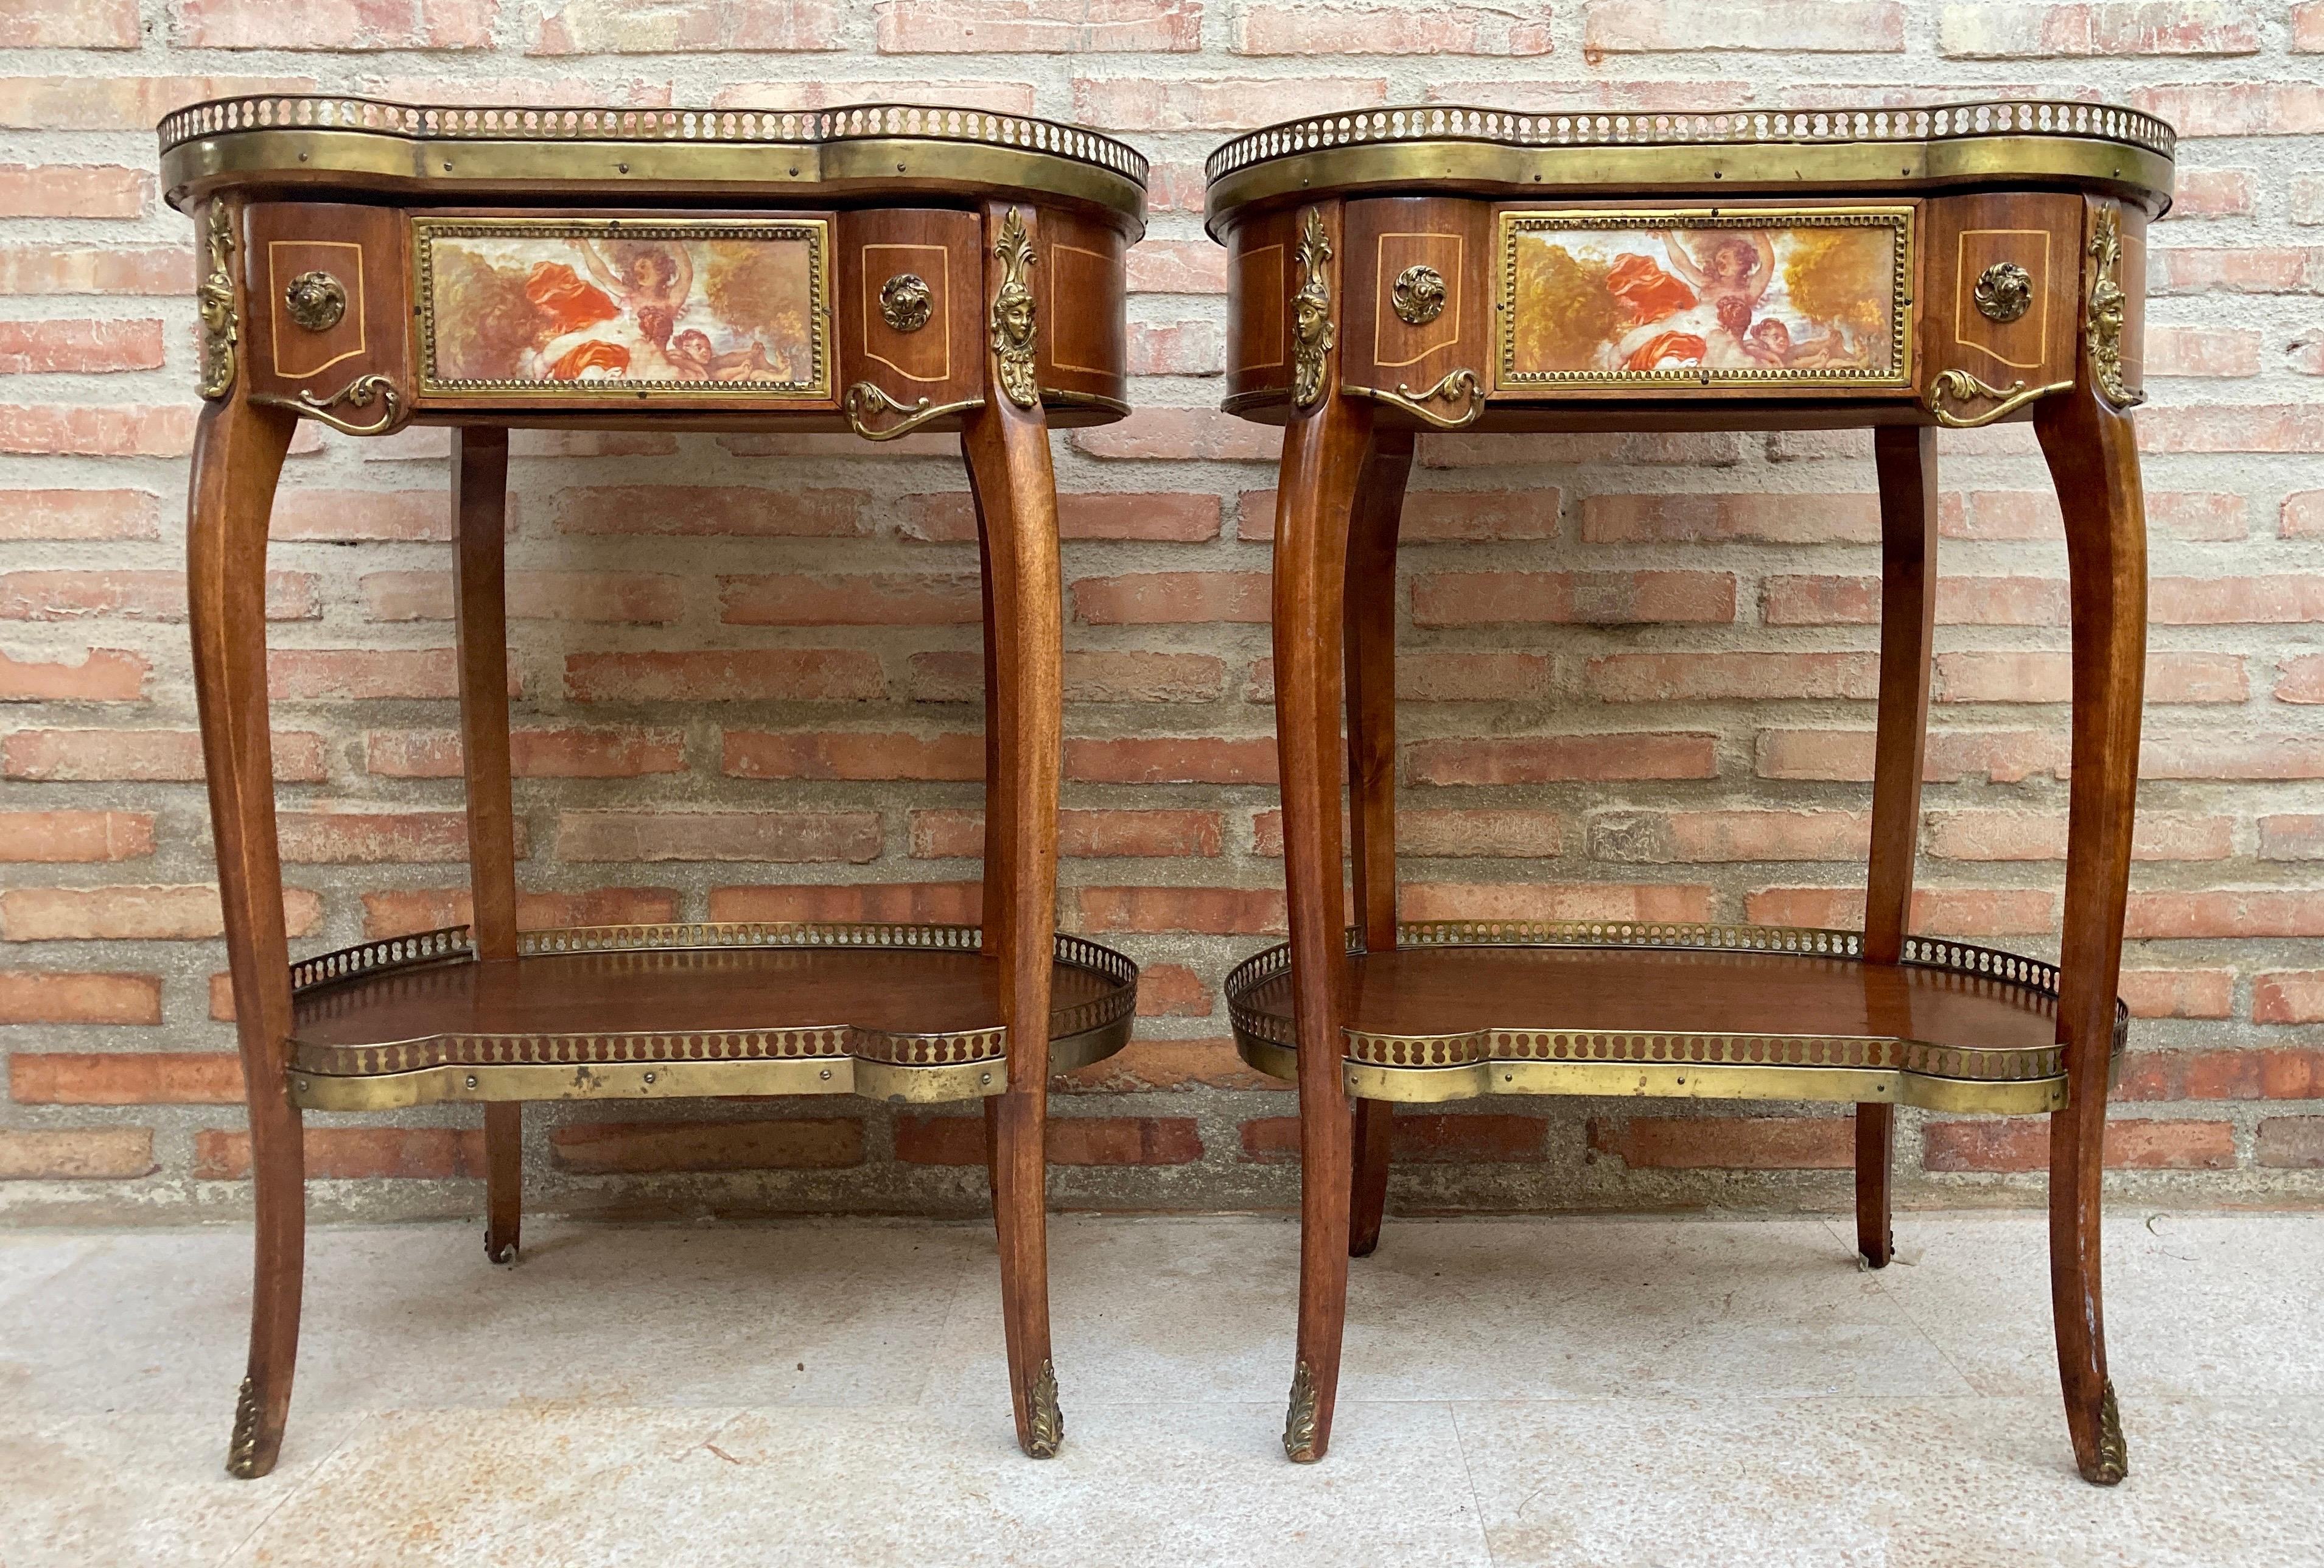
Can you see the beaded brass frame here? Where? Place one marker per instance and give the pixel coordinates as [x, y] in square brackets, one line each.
[833, 1059]
[1546, 1060]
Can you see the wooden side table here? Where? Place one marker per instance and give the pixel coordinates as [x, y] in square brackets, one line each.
[879, 270]
[1400, 270]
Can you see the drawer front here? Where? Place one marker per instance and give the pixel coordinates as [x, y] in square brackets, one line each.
[1673, 302]
[2004, 300]
[1081, 343]
[1419, 296]
[909, 283]
[584, 310]
[1262, 273]
[327, 305]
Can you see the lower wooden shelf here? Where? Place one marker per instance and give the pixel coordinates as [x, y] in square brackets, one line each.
[1461, 1009]
[896, 1012]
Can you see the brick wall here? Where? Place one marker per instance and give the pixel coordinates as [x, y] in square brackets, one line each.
[1689, 737]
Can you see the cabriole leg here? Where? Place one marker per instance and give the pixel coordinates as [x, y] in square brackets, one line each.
[2094, 460]
[1008, 453]
[1323, 462]
[1906, 460]
[238, 452]
[480, 523]
[1370, 670]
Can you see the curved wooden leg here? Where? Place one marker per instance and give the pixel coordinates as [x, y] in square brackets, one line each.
[1008, 453]
[1906, 460]
[1369, 609]
[238, 452]
[479, 574]
[2094, 460]
[1323, 462]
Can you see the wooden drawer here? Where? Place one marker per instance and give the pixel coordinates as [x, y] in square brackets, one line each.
[2001, 296]
[1080, 345]
[595, 311]
[1420, 302]
[327, 325]
[1263, 272]
[910, 312]
[1679, 300]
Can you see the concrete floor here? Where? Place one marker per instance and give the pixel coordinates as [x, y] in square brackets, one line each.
[1586, 1391]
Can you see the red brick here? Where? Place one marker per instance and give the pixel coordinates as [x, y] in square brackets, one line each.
[1174, 990]
[2207, 994]
[36, 996]
[1660, 837]
[2291, 1142]
[2281, 1075]
[34, 348]
[2213, 758]
[2291, 837]
[336, 25]
[125, 1077]
[1151, 103]
[2225, 912]
[2236, 601]
[1419, 1136]
[141, 595]
[1082, 834]
[997, 97]
[2302, 680]
[1733, 677]
[1546, 759]
[80, 756]
[2048, 678]
[1169, 1067]
[109, 430]
[1148, 598]
[1177, 348]
[1751, 517]
[686, 27]
[69, 24]
[1437, 674]
[353, 1154]
[2289, 997]
[726, 674]
[1450, 835]
[1359, 29]
[1165, 266]
[784, 836]
[132, 914]
[1961, 601]
[2291, 428]
[87, 269]
[62, 836]
[1937, 911]
[944, 903]
[1791, 26]
[2205, 193]
[623, 597]
[2245, 108]
[1182, 435]
[79, 102]
[1550, 902]
[343, 833]
[99, 675]
[65, 1154]
[1171, 760]
[2303, 515]
[851, 754]
[872, 599]
[1598, 598]
[2238, 270]
[559, 753]
[642, 1148]
[1209, 911]
[926, 1139]
[2023, 1144]
[351, 516]
[1129, 676]
[950, 518]
[2308, 26]
[745, 511]
[2022, 835]
[2194, 351]
[1039, 26]
[360, 674]
[79, 514]
[1440, 516]
[400, 912]
[1726, 1142]
[2078, 28]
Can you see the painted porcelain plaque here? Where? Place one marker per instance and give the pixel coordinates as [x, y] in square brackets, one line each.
[1600, 298]
[565, 307]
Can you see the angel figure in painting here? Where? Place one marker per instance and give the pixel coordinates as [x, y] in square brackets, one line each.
[1735, 264]
[651, 281]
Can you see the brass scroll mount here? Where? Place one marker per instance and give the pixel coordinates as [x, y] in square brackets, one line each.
[2109, 310]
[865, 402]
[1012, 317]
[906, 302]
[1460, 387]
[1299, 1419]
[1964, 388]
[1312, 331]
[1044, 1420]
[214, 300]
[316, 302]
[358, 393]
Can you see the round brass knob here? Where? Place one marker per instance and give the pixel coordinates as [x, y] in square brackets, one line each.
[2004, 292]
[316, 300]
[1418, 295]
[906, 302]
